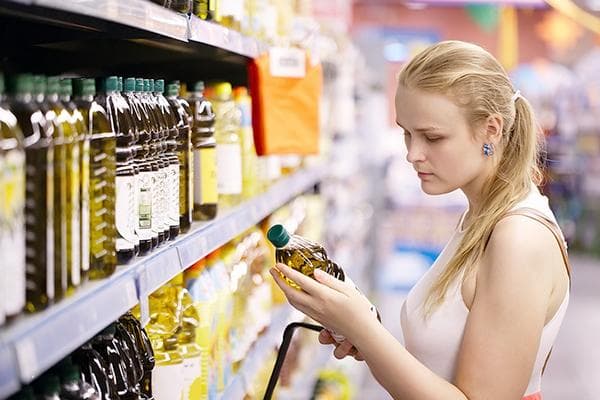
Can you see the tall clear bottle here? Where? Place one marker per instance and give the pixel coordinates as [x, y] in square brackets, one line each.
[39, 193]
[60, 187]
[229, 150]
[170, 156]
[206, 194]
[83, 140]
[161, 133]
[12, 208]
[122, 125]
[72, 201]
[142, 168]
[249, 159]
[184, 155]
[103, 257]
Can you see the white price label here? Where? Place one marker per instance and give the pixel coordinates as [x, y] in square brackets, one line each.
[287, 62]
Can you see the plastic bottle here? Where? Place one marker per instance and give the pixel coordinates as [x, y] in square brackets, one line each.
[167, 376]
[95, 371]
[132, 360]
[117, 358]
[72, 240]
[83, 141]
[60, 187]
[249, 159]
[229, 151]
[72, 387]
[144, 350]
[170, 157]
[184, 155]
[103, 258]
[206, 195]
[122, 125]
[12, 207]
[39, 194]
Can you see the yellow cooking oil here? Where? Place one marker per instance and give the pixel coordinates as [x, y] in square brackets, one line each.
[103, 257]
[39, 193]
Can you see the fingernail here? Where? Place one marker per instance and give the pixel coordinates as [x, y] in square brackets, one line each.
[320, 275]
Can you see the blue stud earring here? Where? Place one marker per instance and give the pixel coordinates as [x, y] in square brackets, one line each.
[488, 149]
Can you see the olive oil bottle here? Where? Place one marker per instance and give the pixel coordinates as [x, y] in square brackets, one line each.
[301, 254]
[12, 207]
[72, 173]
[39, 193]
[60, 187]
[122, 125]
[170, 157]
[184, 155]
[143, 181]
[103, 258]
[83, 141]
[204, 145]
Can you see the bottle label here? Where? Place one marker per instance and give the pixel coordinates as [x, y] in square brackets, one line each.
[145, 205]
[134, 215]
[123, 210]
[167, 382]
[85, 205]
[164, 194]
[75, 213]
[157, 190]
[12, 230]
[205, 176]
[229, 168]
[192, 372]
[173, 204]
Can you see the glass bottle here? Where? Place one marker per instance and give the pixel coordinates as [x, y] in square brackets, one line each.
[12, 208]
[72, 210]
[103, 258]
[206, 194]
[60, 186]
[39, 193]
[184, 155]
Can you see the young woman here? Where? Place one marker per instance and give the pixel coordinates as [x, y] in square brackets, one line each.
[481, 323]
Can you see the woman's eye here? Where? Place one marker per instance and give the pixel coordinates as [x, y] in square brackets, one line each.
[433, 139]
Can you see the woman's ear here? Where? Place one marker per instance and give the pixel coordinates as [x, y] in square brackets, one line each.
[492, 128]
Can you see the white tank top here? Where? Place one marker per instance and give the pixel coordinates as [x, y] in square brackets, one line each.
[436, 341]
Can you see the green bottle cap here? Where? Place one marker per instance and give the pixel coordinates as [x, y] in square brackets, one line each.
[146, 85]
[112, 84]
[66, 87]
[71, 373]
[1, 83]
[278, 235]
[89, 87]
[130, 85]
[199, 86]
[172, 90]
[52, 85]
[120, 84]
[151, 85]
[78, 86]
[21, 84]
[39, 84]
[159, 86]
[139, 85]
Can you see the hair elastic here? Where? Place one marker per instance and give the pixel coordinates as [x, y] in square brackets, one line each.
[516, 96]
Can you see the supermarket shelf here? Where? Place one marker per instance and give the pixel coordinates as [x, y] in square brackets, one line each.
[224, 38]
[260, 351]
[32, 344]
[141, 14]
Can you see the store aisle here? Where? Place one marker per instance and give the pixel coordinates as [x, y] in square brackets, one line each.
[575, 363]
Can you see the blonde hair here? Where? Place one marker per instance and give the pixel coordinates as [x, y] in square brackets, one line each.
[476, 82]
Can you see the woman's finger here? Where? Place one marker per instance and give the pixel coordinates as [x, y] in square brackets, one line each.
[342, 350]
[307, 284]
[325, 337]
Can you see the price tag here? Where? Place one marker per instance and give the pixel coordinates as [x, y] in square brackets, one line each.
[27, 360]
[287, 62]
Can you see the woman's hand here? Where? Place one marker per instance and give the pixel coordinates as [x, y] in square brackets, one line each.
[343, 349]
[335, 304]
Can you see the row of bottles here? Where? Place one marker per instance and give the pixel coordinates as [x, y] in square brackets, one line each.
[116, 364]
[97, 172]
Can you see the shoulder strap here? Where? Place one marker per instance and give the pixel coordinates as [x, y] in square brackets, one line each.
[541, 218]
